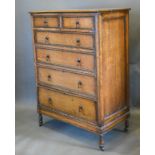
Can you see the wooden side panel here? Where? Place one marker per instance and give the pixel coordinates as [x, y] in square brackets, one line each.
[72, 81]
[72, 105]
[67, 59]
[114, 62]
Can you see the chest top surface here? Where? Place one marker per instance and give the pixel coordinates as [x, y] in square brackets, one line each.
[82, 10]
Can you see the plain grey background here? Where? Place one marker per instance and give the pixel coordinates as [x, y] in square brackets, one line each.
[25, 86]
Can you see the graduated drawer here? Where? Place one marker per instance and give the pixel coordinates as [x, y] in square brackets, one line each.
[78, 22]
[71, 105]
[67, 80]
[67, 59]
[46, 21]
[65, 39]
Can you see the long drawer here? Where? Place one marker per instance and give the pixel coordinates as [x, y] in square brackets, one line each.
[65, 39]
[67, 104]
[67, 59]
[67, 80]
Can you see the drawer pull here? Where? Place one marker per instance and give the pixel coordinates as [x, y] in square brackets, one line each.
[77, 24]
[47, 57]
[78, 60]
[50, 101]
[45, 22]
[78, 41]
[80, 108]
[46, 39]
[80, 84]
[49, 77]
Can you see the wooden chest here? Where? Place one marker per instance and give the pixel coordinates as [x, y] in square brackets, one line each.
[81, 65]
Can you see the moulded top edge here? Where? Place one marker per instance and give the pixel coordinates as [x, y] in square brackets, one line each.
[81, 10]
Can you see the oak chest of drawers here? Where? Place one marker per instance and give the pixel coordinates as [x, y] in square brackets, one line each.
[81, 64]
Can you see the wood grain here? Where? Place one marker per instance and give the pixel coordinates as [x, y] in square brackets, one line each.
[64, 39]
[66, 59]
[78, 22]
[81, 83]
[72, 105]
[114, 62]
[46, 22]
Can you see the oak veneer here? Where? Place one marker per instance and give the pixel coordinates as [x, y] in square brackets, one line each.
[58, 38]
[79, 107]
[67, 80]
[72, 60]
[78, 22]
[46, 21]
[81, 66]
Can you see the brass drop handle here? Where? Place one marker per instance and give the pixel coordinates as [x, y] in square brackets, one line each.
[78, 41]
[45, 22]
[49, 77]
[80, 84]
[77, 24]
[50, 101]
[46, 39]
[80, 108]
[47, 57]
[78, 60]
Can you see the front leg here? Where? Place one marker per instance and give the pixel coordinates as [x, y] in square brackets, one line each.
[101, 142]
[40, 119]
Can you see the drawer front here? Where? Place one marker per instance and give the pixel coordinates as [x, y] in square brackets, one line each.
[68, 59]
[63, 39]
[49, 22]
[78, 22]
[72, 81]
[71, 105]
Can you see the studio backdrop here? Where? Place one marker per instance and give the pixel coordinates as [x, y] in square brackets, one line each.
[25, 80]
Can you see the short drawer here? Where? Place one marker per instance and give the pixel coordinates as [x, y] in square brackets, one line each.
[67, 80]
[67, 59]
[49, 22]
[71, 105]
[65, 39]
[78, 22]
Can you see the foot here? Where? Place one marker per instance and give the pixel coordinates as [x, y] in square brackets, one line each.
[40, 120]
[40, 123]
[101, 147]
[101, 142]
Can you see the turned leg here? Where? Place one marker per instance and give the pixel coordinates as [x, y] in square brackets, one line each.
[126, 125]
[40, 119]
[101, 142]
